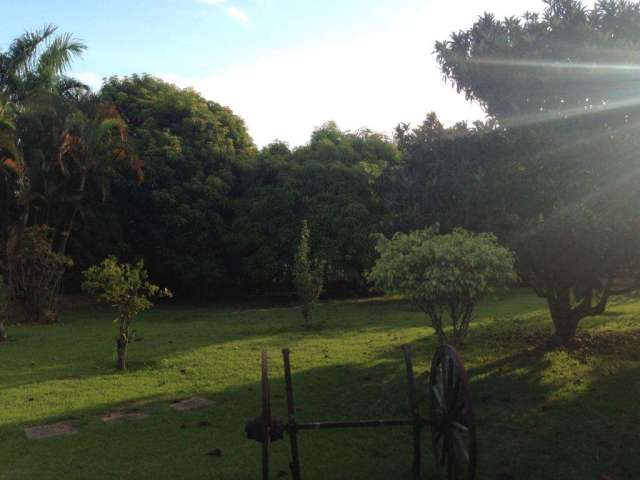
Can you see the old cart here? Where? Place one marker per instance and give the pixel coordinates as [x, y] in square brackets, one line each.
[450, 417]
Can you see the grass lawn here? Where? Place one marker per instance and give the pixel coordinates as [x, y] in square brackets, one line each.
[542, 415]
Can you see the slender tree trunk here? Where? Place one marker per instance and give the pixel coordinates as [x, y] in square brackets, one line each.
[122, 342]
[436, 321]
[121, 345]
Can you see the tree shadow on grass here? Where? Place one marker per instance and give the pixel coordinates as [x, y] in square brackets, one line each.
[173, 444]
[536, 420]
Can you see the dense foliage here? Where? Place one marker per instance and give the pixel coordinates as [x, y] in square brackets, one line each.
[552, 172]
[59, 146]
[178, 218]
[36, 271]
[126, 288]
[445, 276]
[566, 78]
[333, 183]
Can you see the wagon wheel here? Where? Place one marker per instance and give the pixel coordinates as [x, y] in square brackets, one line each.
[265, 416]
[453, 429]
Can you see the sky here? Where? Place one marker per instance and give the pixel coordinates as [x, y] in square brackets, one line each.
[284, 66]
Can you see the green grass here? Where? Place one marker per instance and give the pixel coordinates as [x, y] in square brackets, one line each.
[541, 415]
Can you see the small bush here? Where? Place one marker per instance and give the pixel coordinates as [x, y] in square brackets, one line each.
[308, 275]
[443, 274]
[127, 289]
[36, 272]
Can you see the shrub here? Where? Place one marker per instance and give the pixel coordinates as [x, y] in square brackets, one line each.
[443, 274]
[127, 289]
[36, 272]
[308, 275]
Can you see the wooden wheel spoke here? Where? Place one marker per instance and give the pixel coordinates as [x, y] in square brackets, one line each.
[460, 451]
[438, 395]
[460, 427]
[449, 385]
[453, 436]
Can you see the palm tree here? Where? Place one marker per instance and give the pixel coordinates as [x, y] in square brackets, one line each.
[35, 61]
[32, 65]
[62, 144]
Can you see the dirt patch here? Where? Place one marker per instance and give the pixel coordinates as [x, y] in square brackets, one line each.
[190, 403]
[52, 430]
[623, 343]
[122, 416]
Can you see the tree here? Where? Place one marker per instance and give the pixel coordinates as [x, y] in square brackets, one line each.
[443, 275]
[333, 183]
[67, 143]
[179, 219]
[308, 275]
[565, 78]
[36, 271]
[71, 145]
[31, 67]
[127, 289]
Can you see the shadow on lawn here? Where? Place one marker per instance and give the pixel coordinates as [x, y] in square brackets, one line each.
[70, 351]
[529, 427]
[180, 444]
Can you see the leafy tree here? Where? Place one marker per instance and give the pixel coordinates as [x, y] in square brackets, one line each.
[267, 212]
[127, 289]
[565, 78]
[179, 219]
[333, 183]
[67, 144]
[69, 152]
[443, 275]
[308, 275]
[37, 270]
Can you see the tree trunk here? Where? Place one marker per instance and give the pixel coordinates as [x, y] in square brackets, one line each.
[3, 331]
[121, 344]
[566, 316]
[564, 328]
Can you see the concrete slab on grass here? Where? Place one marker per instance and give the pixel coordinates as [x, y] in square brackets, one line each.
[191, 403]
[51, 430]
[121, 416]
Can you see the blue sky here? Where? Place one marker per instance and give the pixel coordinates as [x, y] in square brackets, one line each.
[285, 66]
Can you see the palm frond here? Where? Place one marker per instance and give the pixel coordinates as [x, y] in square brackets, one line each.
[21, 54]
[57, 56]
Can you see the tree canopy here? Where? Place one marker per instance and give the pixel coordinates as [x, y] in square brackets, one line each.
[564, 81]
[443, 273]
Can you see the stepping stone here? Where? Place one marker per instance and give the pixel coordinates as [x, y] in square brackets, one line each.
[111, 417]
[51, 430]
[191, 403]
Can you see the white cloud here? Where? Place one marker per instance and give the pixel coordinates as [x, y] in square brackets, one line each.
[236, 13]
[374, 81]
[92, 79]
[231, 10]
